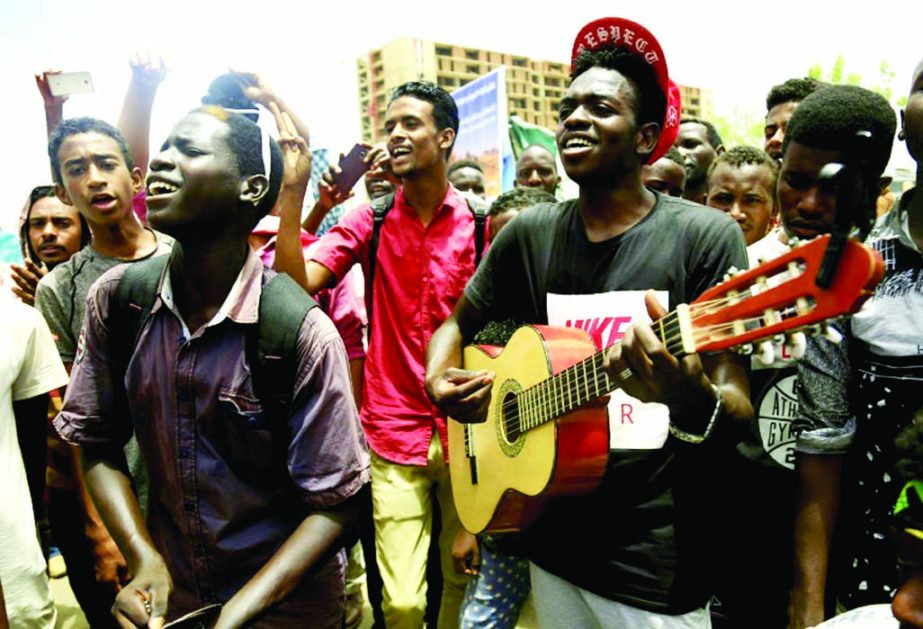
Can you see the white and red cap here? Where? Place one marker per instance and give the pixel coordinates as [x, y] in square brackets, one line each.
[618, 32]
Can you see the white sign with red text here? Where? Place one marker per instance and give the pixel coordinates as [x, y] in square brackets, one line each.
[633, 424]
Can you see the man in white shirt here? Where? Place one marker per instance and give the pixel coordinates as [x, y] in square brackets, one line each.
[29, 368]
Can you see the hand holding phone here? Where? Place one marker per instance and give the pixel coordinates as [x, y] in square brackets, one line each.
[351, 167]
[67, 83]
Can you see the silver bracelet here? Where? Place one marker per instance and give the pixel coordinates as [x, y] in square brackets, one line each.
[697, 439]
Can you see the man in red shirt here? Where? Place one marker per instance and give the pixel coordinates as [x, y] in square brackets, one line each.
[425, 256]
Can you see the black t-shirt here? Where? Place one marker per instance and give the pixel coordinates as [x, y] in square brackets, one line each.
[643, 537]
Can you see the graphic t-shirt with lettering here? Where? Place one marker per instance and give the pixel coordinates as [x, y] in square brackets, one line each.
[642, 537]
[772, 435]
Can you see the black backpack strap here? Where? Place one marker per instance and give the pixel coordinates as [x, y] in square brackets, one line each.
[131, 308]
[479, 209]
[272, 352]
[380, 208]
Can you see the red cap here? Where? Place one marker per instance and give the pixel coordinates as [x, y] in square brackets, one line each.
[622, 33]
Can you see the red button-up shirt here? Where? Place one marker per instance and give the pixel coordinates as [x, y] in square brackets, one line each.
[420, 273]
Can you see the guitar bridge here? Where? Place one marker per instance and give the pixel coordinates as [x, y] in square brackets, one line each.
[469, 452]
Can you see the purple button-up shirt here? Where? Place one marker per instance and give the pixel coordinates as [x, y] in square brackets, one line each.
[218, 511]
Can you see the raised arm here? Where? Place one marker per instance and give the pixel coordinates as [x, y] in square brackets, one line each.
[147, 72]
[256, 88]
[297, 160]
[54, 105]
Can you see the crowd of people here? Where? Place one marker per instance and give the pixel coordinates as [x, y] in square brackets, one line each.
[225, 397]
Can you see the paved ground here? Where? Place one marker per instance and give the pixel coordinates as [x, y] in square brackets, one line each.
[70, 616]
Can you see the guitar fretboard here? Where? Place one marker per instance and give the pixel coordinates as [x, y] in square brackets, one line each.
[575, 386]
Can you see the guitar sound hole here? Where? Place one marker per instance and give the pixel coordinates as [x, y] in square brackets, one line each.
[511, 426]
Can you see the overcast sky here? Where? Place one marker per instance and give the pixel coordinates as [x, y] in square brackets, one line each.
[308, 52]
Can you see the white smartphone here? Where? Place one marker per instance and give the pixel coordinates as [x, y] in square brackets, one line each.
[67, 83]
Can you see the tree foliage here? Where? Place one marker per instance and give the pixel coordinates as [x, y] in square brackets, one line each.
[839, 75]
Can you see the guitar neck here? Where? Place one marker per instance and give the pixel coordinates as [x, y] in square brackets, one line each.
[587, 380]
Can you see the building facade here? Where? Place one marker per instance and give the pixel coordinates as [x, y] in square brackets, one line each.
[533, 88]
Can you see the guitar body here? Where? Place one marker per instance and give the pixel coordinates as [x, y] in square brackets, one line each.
[509, 481]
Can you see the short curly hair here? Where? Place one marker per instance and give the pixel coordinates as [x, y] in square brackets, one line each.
[711, 133]
[518, 198]
[832, 117]
[652, 102]
[245, 141]
[76, 126]
[743, 155]
[464, 163]
[792, 90]
[445, 110]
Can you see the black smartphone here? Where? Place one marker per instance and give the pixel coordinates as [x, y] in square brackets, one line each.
[352, 167]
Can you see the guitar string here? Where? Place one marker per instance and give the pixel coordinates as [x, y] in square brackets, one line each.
[511, 408]
[596, 357]
[548, 398]
[551, 400]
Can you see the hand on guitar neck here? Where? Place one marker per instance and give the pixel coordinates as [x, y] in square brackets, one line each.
[656, 375]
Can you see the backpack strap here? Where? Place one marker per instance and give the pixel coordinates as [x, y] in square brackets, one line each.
[272, 348]
[480, 210]
[131, 308]
[380, 208]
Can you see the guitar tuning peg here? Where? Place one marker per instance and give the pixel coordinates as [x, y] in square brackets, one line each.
[815, 329]
[733, 271]
[793, 243]
[767, 353]
[745, 350]
[797, 343]
[778, 339]
[761, 261]
[832, 334]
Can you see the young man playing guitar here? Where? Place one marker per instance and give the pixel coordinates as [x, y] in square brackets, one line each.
[637, 548]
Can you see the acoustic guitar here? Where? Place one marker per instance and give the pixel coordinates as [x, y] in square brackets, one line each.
[547, 429]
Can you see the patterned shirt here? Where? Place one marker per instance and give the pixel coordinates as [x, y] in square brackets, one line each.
[855, 397]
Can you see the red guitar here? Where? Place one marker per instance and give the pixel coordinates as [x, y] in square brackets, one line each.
[547, 430]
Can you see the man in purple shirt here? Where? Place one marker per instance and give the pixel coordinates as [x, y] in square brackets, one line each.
[247, 508]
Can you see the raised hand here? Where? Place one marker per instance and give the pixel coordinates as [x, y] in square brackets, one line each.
[295, 152]
[50, 100]
[379, 161]
[256, 88]
[26, 278]
[147, 69]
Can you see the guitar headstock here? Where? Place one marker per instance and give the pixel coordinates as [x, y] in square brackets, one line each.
[782, 297]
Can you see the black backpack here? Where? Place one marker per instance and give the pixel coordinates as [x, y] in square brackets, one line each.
[271, 344]
[380, 208]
